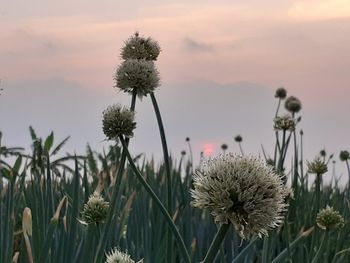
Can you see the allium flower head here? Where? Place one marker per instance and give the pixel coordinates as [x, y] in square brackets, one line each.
[317, 166]
[243, 191]
[344, 155]
[281, 93]
[293, 104]
[224, 146]
[118, 121]
[238, 138]
[95, 210]
[137, 47]
[284, 123]
[137, 74]
[116, 256]
[328, 219]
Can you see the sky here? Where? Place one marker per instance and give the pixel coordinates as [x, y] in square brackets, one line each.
[220, 65]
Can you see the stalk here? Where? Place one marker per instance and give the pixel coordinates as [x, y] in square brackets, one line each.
[320, 251]
[158, 203]
[167, 168]
[215, 245]
[106, 230]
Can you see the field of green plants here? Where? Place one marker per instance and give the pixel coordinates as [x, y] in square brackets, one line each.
[119, 206]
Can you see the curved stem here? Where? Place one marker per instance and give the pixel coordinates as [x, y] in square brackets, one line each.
[155, 198]
[165, 149]
[116, 188]
[215, 245]
[167, 168]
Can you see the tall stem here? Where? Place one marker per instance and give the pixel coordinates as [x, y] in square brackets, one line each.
[215, 245]
[161, 207]
[106, 230]
[167, 168]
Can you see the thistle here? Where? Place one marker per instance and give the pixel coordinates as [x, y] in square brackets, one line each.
[116, 256]
[118, 121]
[137, 74]
[95, 210]
[329, 219]
[242, 191]
[137, 47]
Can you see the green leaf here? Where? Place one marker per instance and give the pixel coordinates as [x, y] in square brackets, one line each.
[48, 143]
[60, 145]
[32, 133]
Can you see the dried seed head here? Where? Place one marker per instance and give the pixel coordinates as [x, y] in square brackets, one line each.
[293, 104]
[116, 256]
[118, 121]
[243, 191]
[328, 219]
[137, 47]
[317, 166]
[281, 93]
[344, 155]
[284, 123]
[137, 74]
[95, 210]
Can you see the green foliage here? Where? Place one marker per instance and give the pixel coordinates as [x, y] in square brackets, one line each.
[138, 226]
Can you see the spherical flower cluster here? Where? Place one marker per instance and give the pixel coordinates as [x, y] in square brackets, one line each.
[284, 123]
[242, 191]
[224, 146]
[116, 256]
[238, 138]
[328, 219]
[118, 121]
[317, 166]
[137, 74]
[137, 47]
[344, 155]
[281, 93]
[95, 210]
[293, 104]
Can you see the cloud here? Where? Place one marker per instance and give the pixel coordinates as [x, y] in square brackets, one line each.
[193, 45]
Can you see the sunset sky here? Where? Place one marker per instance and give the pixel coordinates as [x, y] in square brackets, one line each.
[220, 64]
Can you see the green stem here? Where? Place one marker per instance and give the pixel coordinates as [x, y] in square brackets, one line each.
[155, 198]
[116, 188]
[320, 251]
[215, 245]
[167, 168]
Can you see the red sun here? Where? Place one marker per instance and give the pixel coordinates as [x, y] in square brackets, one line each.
[208, 149]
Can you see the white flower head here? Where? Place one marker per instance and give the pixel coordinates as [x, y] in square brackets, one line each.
[242, 191]
[116, 256]
[95, 210]
[137, 47]
[137, 74]
[117, 121]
